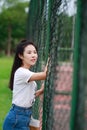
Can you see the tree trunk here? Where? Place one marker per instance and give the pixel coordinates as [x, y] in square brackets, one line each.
[9, 40]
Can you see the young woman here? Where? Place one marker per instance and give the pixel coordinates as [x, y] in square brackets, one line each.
[23, 85]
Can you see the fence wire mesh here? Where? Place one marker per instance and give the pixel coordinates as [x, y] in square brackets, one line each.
[51, 27]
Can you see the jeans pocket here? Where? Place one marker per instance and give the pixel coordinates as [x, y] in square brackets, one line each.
[22, 120]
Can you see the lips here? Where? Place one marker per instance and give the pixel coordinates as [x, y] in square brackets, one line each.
[33, 60]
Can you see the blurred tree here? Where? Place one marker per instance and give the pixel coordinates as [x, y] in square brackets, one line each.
[12, 23]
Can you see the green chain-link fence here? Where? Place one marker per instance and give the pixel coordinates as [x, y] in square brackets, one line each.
[55, 26]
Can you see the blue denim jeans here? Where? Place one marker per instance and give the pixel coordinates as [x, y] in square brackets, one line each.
[18, 118]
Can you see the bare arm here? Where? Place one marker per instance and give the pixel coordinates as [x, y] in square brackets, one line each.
[40, 91]
[39, 75]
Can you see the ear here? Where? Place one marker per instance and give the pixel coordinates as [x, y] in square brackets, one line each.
[20, 56]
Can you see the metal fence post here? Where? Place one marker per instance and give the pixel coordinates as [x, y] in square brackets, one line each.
[76, 66]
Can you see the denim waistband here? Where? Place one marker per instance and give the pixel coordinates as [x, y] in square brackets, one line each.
[21, 108]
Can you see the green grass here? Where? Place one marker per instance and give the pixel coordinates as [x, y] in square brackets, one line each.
[5, 93]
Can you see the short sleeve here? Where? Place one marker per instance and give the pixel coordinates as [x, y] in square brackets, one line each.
[23, 75]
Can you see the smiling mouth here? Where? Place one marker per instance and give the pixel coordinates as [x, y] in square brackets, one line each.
[33, 60]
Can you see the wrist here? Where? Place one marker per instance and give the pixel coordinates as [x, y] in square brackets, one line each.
[42, 90]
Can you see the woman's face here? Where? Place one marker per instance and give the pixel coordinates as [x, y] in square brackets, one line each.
[29, 57]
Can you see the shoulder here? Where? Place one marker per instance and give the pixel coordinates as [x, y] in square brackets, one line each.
[23, 71]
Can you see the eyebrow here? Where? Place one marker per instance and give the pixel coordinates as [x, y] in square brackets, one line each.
[32, 50]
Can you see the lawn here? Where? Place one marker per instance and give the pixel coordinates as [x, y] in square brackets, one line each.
[5, 93]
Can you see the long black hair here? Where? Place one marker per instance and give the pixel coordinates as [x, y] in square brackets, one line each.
[17, 61]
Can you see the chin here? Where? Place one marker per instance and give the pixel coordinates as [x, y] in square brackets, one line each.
[33, 64]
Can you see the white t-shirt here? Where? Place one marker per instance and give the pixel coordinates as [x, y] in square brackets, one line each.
[23, 91]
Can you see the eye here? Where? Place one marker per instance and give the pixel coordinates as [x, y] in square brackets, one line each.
[35, 52]
[29, 52]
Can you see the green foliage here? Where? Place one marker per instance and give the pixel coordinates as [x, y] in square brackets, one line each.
[13, 18]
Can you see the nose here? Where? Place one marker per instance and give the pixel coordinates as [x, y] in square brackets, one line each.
[33, 54]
